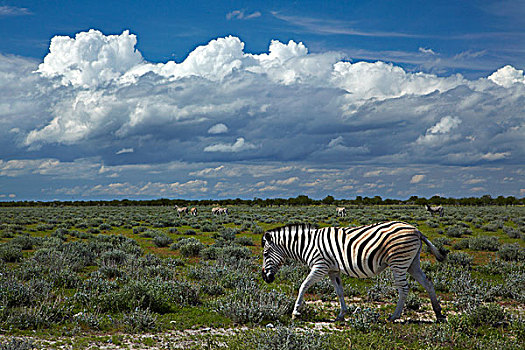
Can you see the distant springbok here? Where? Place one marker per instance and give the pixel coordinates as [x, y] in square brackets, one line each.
[435, 210]
[219, 211]
[181, 210]
[193, 211]
[341, 211]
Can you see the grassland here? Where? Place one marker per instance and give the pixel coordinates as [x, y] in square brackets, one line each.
[143, 277]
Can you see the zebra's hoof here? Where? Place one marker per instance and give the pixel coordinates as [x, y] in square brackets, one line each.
[392, 318]
[295, 316]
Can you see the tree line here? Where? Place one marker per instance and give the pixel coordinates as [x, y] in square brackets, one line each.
[301, 200]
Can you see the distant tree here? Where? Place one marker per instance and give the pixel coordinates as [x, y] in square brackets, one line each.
[328, 200]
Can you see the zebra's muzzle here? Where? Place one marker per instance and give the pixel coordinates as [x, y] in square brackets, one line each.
[267, 277]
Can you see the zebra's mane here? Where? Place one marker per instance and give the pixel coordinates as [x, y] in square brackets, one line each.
[284, 227]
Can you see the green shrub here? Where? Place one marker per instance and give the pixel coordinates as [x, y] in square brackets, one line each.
[511, 232]
[251, 304]
[10, 252]
[17, 344]
[280, 337]
[105, 227]
[246, 241]
[235, 252]
[459, 259]
[361, 319]
[482, 315]
[210, 253]
[24, 241]
[162, 240]
[188, 246]
[511, 252]
[457, 231]
[139, 320]
[15, 293]
[485, 243]
[383, 287]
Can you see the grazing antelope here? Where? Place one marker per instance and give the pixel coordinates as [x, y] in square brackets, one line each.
[341, 211]
[435, 210]
[181, 210]
[219, 211]
[193, 211]
[360, 252]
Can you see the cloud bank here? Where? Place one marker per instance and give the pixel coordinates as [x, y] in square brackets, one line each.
[94, 97]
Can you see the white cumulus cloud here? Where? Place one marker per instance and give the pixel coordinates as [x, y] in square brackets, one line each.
[239, 145]
[506, 76]
[218, 129]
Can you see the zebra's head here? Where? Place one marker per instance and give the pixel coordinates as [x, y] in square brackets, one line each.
[273, 257]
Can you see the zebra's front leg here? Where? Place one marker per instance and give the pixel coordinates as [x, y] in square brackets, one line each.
[315, 275]
[338, 286]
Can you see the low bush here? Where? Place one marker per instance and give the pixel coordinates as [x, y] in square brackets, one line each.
[162, 240]
[383, 288]
[139, 320]
[490, 314]
[25, 242]
[188, 246]
[511, 252]
[280, 337]
[246, 241]
[459, 259]
[361, 319]
[10, 252]
[251, 304]
[511, 232]
[457, 231]
[485, 243]
[17, 344]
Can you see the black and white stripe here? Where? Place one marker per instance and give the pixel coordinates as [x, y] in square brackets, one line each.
[360, 252]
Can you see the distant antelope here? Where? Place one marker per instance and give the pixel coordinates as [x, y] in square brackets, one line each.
[435, 210]
[193, 211]
[181, 210]
[219, 211]
[341, 211]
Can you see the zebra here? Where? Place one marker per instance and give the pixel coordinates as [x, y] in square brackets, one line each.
[341, 211]
[360, 252]
[435, 210]
[181, 210]
[193, 211]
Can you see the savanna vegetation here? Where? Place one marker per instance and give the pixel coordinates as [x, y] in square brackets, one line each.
[131, 276]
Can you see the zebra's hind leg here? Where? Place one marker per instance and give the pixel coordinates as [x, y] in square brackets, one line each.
[400, 277]
[338, 286]
[315, 275]
[419, 275]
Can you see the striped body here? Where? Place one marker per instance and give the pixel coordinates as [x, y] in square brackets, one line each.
[360, 252]
[365, 251]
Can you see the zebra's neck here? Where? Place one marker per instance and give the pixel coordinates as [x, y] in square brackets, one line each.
[296, 242]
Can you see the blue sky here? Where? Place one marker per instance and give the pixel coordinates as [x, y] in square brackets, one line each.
[199, 99]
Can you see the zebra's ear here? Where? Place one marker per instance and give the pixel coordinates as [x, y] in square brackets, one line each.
[267, 237]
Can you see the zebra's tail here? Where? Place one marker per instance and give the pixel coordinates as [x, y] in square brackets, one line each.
[439, 256]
